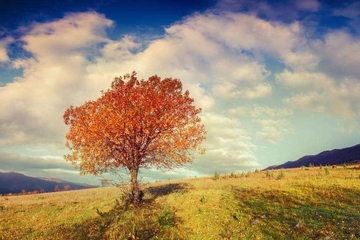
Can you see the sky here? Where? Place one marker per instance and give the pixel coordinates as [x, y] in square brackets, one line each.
[276, 80]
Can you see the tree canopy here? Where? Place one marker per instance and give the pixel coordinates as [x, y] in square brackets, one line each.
[135, 124]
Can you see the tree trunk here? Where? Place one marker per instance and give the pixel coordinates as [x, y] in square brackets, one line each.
[135, 194]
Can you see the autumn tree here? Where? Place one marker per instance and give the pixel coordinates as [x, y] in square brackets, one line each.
[57, 188]
[135, 124]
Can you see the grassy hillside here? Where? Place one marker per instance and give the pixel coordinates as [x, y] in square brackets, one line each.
[303, 203]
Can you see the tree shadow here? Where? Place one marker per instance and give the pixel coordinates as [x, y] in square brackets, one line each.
[149, 220]
[164, 190]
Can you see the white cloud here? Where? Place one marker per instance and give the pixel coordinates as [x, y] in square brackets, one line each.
[339, 54]
[53, 79]
[120, 49]
[257, 111]
[228, 146]
[258, 91]
[247, 32]
[301, 60]
[310, 101]
[304, 80]
[235, 56]
[272, 123]
[272, 129]
[328, 78]
[201, 98]
[43, 166]
[73, 33]
[225, 90]
[4, 42]
[16, 162]
[340, 100]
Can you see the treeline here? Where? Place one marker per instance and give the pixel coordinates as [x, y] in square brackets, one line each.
[42, 190]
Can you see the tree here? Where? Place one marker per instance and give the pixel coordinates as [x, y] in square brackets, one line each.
[135, 124]
[57, 188]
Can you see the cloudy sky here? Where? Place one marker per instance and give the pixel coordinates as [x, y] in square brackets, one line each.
[276, 81]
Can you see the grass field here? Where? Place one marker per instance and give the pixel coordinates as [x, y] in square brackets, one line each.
[303, 203]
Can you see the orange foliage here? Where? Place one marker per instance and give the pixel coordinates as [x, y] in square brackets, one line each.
[136, 123]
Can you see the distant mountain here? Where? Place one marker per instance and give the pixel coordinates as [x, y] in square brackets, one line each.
[12, 182]
[332, 157]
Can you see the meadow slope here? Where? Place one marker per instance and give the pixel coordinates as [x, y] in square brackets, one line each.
[302, 203]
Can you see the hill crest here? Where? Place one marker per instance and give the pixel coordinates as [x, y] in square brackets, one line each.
[13, 182]
[329, 157]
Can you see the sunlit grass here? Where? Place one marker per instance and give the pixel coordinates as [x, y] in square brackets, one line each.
[304, 203]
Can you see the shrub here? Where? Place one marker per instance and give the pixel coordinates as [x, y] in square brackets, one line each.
[216, 176]
[201, 210]
[237, 215]
[327, 171]
[203, 198]
[281, 175]
[166, 219]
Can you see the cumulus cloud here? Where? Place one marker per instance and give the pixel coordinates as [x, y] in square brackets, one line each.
[43, 166]
[257, 111]
[228, 146]
[272, 129]
[197, 47]
[272, 123]
[323, 75]
[329, 83]
[339, 53]
[258, 91]
[301, 60]
[225, 90]
[18, 162]
[54, 77]
[340, 100]
[304, 80]
[73, 33]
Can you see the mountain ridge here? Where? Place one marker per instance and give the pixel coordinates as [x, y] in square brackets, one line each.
[13, 182]
[346, 155]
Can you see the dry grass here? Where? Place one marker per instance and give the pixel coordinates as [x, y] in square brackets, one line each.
[305, 203]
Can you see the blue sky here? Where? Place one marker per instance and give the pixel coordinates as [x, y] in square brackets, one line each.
[276, 79]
